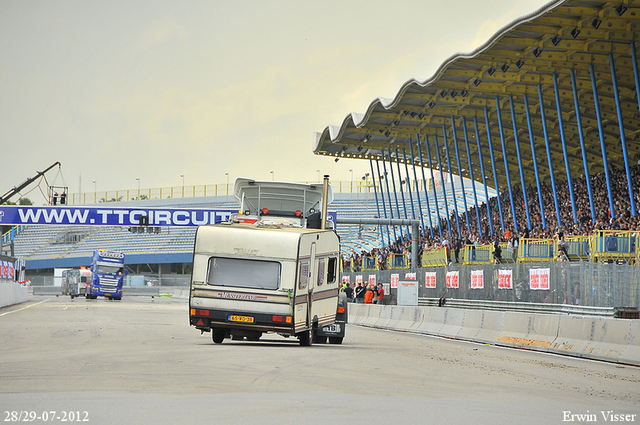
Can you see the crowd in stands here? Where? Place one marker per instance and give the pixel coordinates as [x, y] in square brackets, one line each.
[584, 224]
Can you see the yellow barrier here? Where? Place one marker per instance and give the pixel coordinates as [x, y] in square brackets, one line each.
[614, 245]
[536, 250]
[478, 254]
[435, 257]
[369, 263]
[398, 261]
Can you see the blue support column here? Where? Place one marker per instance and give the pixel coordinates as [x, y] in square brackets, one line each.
[601, 131]
[484, 178]
[408, 181]
[520, 167]
[581, 135]
[506, 164]
[564, 148]
[415, 179]
[386, 181]
[433, 184]
[384, 207]
[636, 75]
[444, 192]
[622, 136]
[493, 165]
[453, 189]
[464, 195]
[375, 193]
[473, 181]
[535, 162]
[546, 141]
[404, 203]
[395, 191]
[424, 185]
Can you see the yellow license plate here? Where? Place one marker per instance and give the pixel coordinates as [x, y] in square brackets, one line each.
[244, 319]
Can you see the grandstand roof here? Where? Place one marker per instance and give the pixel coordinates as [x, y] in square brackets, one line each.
[522, 60]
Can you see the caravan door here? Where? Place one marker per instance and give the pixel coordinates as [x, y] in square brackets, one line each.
[307, 276]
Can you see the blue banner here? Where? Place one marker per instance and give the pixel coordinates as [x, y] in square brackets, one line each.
[104, 216]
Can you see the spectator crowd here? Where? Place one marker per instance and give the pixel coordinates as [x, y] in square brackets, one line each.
[584, 223]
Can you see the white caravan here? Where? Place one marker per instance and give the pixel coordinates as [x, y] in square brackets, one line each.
[263, 271]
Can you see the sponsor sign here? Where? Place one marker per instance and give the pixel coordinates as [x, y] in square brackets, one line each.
[358, 279]
[539, 279]
[505, 279]
[105, 216]
[429, 279]
[453, 279]
[346, 279]
[410, 276]
[395, 278]
[477, 279]
[372, 279]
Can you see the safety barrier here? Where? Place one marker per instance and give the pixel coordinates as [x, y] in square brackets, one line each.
[614, 245]
[478, 254]
[11, 293]
[435, 257]
[536, 250]
[369, 263]
[601, 338]
[398, 261]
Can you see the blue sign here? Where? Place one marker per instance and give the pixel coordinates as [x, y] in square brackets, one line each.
[104, 216]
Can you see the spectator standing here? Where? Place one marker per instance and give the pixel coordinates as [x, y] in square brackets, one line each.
[380, 294]
[348, 290]
[368, 295]
[360, 292]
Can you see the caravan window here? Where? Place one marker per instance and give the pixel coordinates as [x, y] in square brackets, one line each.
[333, 270]
[303, 278]
[243, 273]
[321, 267]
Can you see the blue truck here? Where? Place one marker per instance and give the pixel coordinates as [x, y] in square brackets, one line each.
[107, 275]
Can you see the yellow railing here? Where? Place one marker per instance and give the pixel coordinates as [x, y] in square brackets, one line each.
[435, 257]
[614, 245]
[355, 186]
[398, 261]
[369, 263]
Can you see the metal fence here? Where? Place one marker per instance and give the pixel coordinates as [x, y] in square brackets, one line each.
[569, 283]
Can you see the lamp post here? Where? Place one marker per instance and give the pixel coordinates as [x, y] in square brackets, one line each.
[227, 174]
[351, 169]
[138, 180]
[95, 192]
[273, 176]
[182, 175]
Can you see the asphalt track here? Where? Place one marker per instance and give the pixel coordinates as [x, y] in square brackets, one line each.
[138, 361]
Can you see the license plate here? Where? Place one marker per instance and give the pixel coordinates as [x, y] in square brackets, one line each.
[244, 319]
[334, 328]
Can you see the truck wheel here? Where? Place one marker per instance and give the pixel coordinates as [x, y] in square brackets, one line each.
[306, 338]
[335, 339]
[217, 335]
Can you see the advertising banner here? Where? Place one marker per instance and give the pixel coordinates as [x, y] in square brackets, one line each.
[395, 278]
[429, 279]
[358, 279]
[477, 279]
[539, 279]
[410, 276]
[505, 279]
[346, 279]
[106, 216]
[372, 279]
[453, 280]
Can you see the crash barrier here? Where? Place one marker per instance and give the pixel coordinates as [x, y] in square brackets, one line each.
[47, 290]
[561, 283]
[600, 338]
[11, 293]
[435, 257]
[148, 291]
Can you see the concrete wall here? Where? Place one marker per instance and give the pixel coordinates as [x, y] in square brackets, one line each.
[599, 338]
[12, 293]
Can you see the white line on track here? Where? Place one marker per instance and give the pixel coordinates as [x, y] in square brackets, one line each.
[24, 308]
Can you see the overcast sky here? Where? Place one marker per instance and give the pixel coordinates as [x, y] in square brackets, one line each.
[118, 90]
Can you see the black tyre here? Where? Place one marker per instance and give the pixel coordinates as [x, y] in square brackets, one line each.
[306, 338]
[217, 335]
[335, 339]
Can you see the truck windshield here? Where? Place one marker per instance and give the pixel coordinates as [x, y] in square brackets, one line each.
[244, 273]
[102, 269]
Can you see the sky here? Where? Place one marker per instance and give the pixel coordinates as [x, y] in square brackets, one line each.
[152, 90]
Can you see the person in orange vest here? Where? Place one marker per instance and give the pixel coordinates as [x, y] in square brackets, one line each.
[368, 296]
